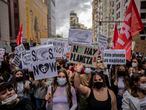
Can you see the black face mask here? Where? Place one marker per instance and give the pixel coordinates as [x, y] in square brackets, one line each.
[121, 73]
[58, 67]
[98, 85]
[19, 79]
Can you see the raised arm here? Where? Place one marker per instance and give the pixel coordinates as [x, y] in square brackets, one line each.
[77, 83]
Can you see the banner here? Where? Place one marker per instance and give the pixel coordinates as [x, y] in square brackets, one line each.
[43, 62]
[26, 60]
[19, 49]
[83, 36]
[132, 25]
[2, 52]
[83, 54]
[114, 57]
[60, 46]
[16, 60]
[102, 42]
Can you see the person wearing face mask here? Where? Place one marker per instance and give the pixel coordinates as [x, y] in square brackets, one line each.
[9, 99]
[21, 85]
[63, 95]
[135, 97]
[119, 83]
[135, 64]
[99, 97]
[131, 71]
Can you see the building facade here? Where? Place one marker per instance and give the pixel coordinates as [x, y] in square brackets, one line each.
[74, 21]
[33, 17]
[108, 12]
[13, 21]
[4, 25]
[51, 18]
[102, 18]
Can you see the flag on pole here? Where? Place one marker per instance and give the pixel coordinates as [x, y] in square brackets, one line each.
[19, 36]
[132, 25]
[115, 37]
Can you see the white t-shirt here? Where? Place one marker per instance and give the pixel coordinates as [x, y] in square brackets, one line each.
[143, 104]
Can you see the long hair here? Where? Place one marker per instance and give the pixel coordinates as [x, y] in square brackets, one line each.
[14, 78]
[97, 73]
[68, 87]
[134, 84]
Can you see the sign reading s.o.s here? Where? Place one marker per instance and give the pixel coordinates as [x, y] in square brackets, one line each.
[43, 62]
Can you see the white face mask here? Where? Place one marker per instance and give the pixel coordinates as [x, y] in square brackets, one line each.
[10, 100]
[61, 81]
[130, 74]
[143, 86]
[134, 64]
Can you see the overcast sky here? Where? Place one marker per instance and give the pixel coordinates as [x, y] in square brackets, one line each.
[83, 8]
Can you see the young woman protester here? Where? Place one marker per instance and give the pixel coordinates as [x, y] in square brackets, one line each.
[9, 99]
[62, 95]
[99, 97]
[135, 97]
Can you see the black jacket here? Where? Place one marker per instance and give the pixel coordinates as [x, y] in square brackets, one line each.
[23, 104]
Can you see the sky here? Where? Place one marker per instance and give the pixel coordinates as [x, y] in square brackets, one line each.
[83, 8]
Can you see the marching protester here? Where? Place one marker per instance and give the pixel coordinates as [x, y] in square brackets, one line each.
[119, 84]
[99, 97]
[134, 98]
[62, 95]
[21, 85]
[9, 99]
[131, 71]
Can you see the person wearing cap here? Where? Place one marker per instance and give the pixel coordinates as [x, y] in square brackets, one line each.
[99, 97]
[9, 99]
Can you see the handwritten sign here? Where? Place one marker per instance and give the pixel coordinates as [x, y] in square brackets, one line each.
[114, 57]
[59, 46]
[83, 54]
[43, 62]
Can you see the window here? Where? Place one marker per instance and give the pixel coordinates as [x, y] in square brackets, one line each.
[143, 15]
[143, 5]
[142, 37]
[144, 30]
[126, 1]
[118, 15]
[118, 6]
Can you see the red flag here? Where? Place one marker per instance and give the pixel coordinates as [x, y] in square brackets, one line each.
[132, 25]
[115, 37]
[19, 36]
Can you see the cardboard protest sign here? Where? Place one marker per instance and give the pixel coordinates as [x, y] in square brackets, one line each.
[59, 46]
[43, 62]
[26, 60]
[2, 52]
[102, 42]
[16, 61]
[114, 57]
[19, 49]
[84, 54]
[83, 36]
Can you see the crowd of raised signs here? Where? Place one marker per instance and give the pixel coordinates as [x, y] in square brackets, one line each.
[58, 84]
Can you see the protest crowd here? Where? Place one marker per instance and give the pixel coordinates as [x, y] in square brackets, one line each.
[75, 87]
[56, 75]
